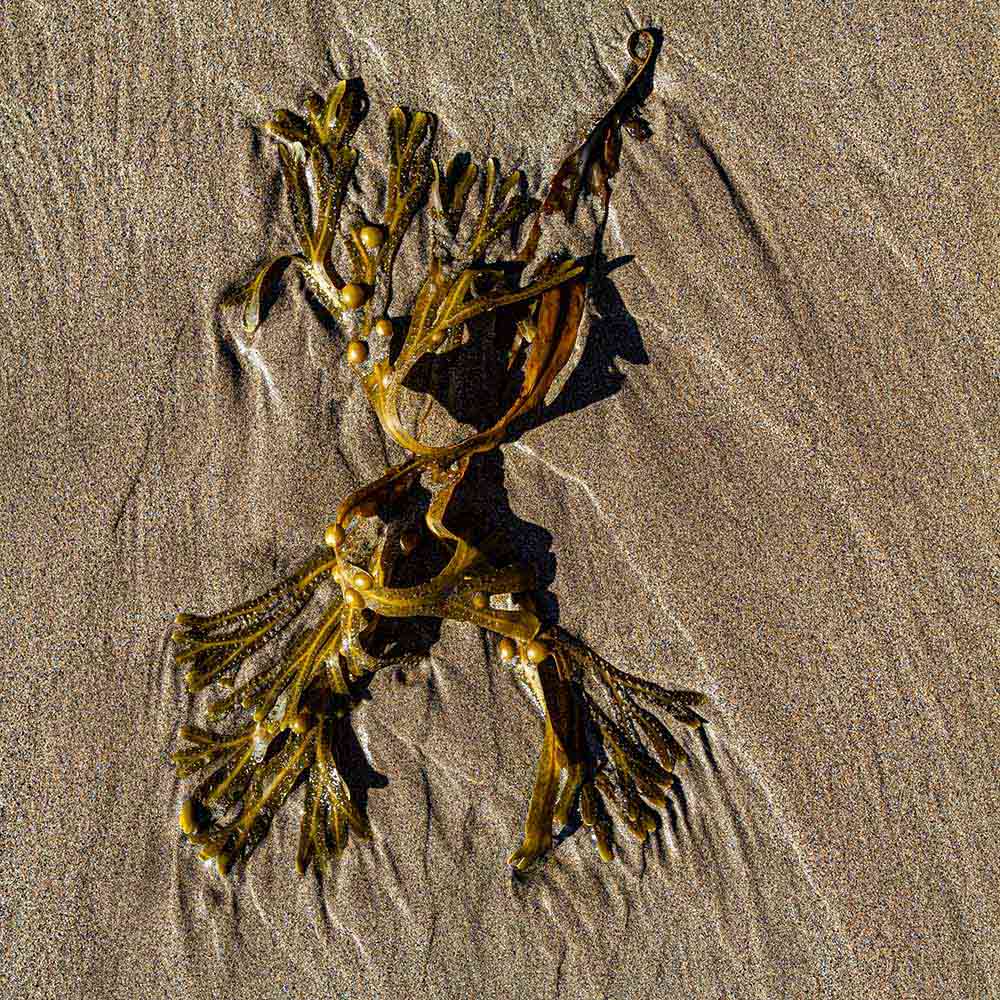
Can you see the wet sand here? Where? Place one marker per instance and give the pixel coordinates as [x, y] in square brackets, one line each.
[774, 479]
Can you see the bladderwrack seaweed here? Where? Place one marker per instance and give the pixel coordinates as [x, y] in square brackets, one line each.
[391, 551]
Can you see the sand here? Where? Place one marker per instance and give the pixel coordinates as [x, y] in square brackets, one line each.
[775, 480]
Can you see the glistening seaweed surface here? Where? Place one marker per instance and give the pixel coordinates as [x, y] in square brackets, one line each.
[389, 553]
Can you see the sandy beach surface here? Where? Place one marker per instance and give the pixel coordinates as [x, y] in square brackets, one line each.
[774, 478]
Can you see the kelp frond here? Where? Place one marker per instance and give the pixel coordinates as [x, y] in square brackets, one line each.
[282, 720]
[602, 745]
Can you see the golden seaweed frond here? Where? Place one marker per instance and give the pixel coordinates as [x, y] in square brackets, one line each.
[603, 744]
[391, 551]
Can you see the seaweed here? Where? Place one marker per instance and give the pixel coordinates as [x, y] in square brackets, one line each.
[392, 551]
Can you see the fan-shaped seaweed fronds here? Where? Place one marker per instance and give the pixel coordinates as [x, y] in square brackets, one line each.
[389, 555]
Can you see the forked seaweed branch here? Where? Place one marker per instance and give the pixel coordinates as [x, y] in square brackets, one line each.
[389, 553]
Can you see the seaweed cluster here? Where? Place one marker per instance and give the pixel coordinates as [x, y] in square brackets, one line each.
[389, 553]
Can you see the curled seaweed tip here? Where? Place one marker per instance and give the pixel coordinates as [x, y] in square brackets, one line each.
[282, 722]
